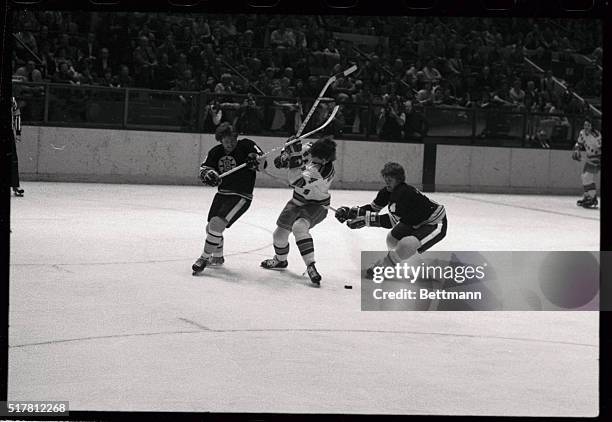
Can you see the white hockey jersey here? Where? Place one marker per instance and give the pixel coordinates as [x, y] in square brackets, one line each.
[311, 183]
[591, 143]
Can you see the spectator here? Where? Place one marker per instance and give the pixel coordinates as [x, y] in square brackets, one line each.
[90, 47]
[249, 117]
[431, 73]
[124, 79]
[391, 121]
[65, 75]
[103, 63]
[213, 116]
[517, 95]
[163, 74]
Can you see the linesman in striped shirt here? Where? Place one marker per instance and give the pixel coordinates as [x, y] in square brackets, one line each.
[416, 222]
[16, 138]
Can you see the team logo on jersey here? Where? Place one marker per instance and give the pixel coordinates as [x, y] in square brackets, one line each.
[226, 163]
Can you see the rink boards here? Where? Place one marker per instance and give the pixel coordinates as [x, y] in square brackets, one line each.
[122, 156]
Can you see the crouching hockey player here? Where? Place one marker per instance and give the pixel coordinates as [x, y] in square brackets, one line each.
[589, 140]
[416, 222]
[235, 191]
[308, 206]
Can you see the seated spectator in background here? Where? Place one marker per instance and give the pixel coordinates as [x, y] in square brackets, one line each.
[85, 74]
[431, 73]
[331, 53]
[249, 117]
[169, 48]
[282, 37]
[213, 116]
[108, 80]
[391, 121]
[64, 75]
[424, 95]
[286, 111]
[517, 95]
[226, 85]
[486, 78]
[163, 74]
[29, 73]
[186, 82]
[455, 64]
[416, 124]
[181, 65]
[90, 47]
[548, 82]
[124, 80]
[65, 43]
[103, 63]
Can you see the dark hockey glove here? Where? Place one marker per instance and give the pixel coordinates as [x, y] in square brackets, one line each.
[210, 177]
[370, 219]
[252, 161]
[342, 214]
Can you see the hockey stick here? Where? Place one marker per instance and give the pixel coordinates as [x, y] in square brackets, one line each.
[330, 81]
[293, 141]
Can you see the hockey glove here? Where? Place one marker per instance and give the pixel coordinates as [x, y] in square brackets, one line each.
[370, 219]
[342, 214]
[210, 177]
[346, 213]
[281, 161]
[252, 161]
[576, 154]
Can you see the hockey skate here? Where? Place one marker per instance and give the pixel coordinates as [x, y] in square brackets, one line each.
[588, 202]
[18, 191]
[272, 264]
[199, 265]
[216, 261]
[314, 275]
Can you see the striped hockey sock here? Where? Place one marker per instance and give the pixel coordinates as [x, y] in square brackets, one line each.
[590, 190]
[213, 240]
[306, 247]
[219, 250]
[281, 252]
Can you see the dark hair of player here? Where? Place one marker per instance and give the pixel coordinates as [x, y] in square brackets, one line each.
[324, 148]
[394, 170]
[223, 130]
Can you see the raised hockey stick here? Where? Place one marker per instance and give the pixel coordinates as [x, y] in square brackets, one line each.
[330, 81]
[293, 141]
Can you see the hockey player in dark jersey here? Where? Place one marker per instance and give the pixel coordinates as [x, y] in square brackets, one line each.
[235, 190]
[310, 174]
[416, 222]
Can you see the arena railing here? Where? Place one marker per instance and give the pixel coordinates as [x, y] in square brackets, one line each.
[90, 106]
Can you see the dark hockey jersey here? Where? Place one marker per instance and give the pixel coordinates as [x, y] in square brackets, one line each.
[242, 181]
[408, 205]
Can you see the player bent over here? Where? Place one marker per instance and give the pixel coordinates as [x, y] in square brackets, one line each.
[589, 140]
[235, 191]
[416, 222]
[308, 206]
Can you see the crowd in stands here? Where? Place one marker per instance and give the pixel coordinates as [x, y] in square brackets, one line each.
[404, 62]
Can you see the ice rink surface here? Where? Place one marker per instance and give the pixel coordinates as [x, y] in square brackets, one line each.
[104, 312]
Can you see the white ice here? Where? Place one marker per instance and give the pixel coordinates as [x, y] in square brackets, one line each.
[104, 312]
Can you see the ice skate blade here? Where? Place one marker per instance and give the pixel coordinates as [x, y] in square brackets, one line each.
[274, 268]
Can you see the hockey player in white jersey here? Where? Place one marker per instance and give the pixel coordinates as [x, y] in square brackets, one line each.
[310, 178]
[589, 140]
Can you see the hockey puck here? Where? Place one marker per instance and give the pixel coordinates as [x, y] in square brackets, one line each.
[348, 286]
